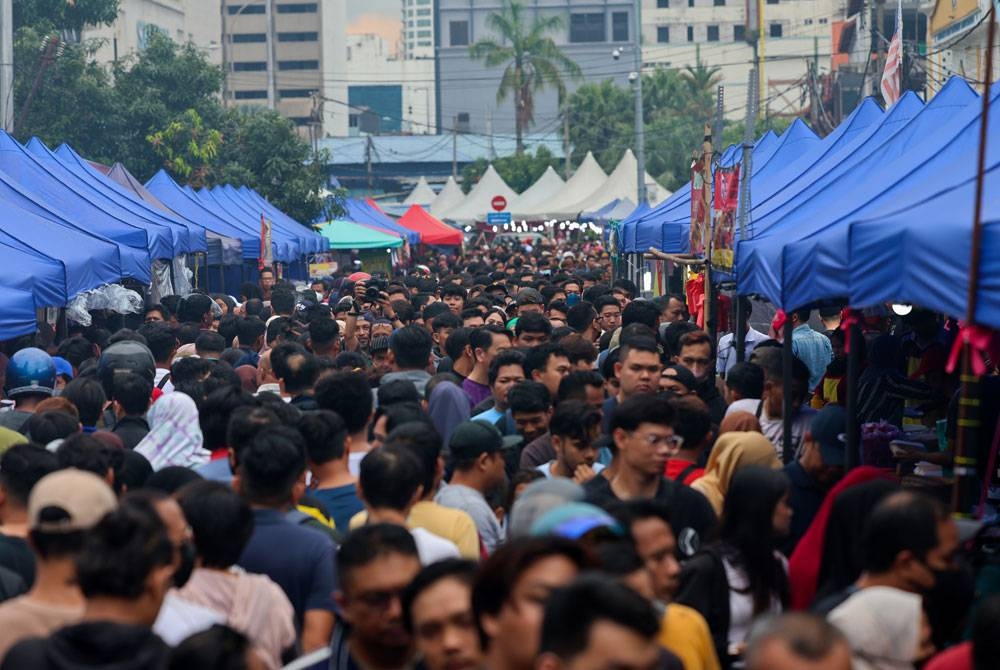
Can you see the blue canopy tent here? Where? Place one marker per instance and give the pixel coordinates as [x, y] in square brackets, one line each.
[936, 234]
[313, 241]
[361, 212]
[51, 183]
[241, 209]
[291, 248]
[17, 313]
[800, 257]
[190, 236]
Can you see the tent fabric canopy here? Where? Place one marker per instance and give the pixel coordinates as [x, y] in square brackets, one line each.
[451, 196]
[422, 194]
[360, 212]
[621, 183]
[479, 200]
[17, 313]
[538, 194]
[341, 234]
[431, 229]
[585, 181]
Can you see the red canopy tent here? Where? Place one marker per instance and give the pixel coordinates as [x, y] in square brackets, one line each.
[431, 229]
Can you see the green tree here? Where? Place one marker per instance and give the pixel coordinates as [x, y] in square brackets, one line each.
[600, 121]
[531, 60]
[519, 171]
[187, 147]
[69, 16]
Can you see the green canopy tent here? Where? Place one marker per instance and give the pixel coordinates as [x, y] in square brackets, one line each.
[347, 235]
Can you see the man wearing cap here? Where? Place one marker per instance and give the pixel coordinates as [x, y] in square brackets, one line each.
[678, 379]
[379, 352]
[62, 505]
[478, 460]
[530, 300]
[819, 467]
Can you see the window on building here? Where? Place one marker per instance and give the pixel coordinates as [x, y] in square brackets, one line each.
[423, 12]
[289, 93]
[719, 3]
[246, 9]
[807, 22]
[690, 3]
[250, 66]
[824, 20]
[619, 27]
[587, 28]
[424, 43]
[247, 38]
[772, 2]
[713, 34]
[663, 34]
[423, 23]
[663, 4]
[298, 37]
[459, 31]
[423, 33]
[250, 95]
[739, 33]
[298, 8]
[352, 120]
[301, 120]
[690, 33]
[775, 30]
[298, 64]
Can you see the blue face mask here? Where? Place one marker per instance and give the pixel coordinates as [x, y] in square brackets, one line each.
[572, 299]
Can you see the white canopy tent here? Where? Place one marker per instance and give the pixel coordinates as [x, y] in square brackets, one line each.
[588, 178]
[538, 194]
[422, 194]
[478, 202]
[620, 184]
[450, 197]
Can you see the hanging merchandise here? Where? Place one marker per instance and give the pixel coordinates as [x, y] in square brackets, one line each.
[694, 290]
[725, 201]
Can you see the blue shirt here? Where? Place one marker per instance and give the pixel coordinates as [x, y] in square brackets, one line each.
[813, 349]
[216, 471]
[341, 502]
[299, 559]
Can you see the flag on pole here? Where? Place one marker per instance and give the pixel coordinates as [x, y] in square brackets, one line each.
[892, 84]
[266, 257]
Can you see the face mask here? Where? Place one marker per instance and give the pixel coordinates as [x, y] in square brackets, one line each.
[183, 572]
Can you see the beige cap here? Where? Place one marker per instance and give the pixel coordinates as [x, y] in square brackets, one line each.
[83, 496]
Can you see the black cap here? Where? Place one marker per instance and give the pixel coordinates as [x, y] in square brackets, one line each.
[472, 438]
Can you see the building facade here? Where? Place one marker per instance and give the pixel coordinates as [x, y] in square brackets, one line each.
[418, 29]
[957, 41]
[795, 35]
[467, 89]
[198, 22]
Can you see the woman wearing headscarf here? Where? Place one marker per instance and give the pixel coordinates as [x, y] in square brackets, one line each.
[886, 628]
[448, 406]
[739, 422]
[804, 564]
[732, 452]
[174, 436]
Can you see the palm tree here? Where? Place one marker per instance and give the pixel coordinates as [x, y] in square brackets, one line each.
[531, 60]
[701, 82]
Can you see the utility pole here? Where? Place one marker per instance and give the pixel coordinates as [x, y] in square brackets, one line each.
[272, 93]
[566, 139]
[640, 132]
[225, 56]
[7, 65]
[489, 132]
[368, 162]
[759, 53]
[744, 213]
[454, 147]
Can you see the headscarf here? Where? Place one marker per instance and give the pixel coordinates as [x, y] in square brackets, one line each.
[804, 564]
[174, 436]
[731, 452]
[740, 422]
[448, 406]
[882, 625]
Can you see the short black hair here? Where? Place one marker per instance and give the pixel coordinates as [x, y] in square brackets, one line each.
[396, 391]
[215, 647]
[45, 427]
[77, 349]
[120, 552]
[324, 433]
[578, 348]
[631, 511]
[642, 408]
[411, 346]
[157, 307]
[323, 331]
[499, 574]
[132, 392]
[503, 358]
[646, 344]
[572, 612]
[446, 320]
[903, 521]
[369, 542]
[271, 464]
[532, 322]
[537, 358]
[574, 385]
[574, 419]
[282, 301]
[21, 466]
[529, 396]
[390, 476]
[194, 307]
[454, 289]
[248, 329]
[160, 339]
[169, 479]
[87, 394]
[605, 301]
[221, 521]
[215, 410]
[421, 439]
[456, 343]
[747, 379]
[245, 422]
[459, 569]
[581, 316]
[294, 365]
[641, 311]
[209, 342]
[85, 452]
[691, 420]
[349, 395]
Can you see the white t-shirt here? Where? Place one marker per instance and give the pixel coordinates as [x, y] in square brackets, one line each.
[741, 603]
[168, 387]
[433, 548]
[774, 429]
[546, 469]
[179, 619]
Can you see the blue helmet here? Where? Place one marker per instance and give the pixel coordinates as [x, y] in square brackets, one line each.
[30, 370]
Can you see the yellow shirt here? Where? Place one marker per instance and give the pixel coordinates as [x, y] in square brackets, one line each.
[451, 524]
[685, 633]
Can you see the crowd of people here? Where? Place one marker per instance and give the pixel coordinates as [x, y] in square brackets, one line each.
[507, 460]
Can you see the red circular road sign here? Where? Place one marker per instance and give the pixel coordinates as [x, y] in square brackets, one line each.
[499, 203]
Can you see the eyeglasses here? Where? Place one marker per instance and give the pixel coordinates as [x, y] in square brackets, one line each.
[672, 441]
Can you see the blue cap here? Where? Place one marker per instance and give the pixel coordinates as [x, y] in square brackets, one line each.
[63, 367]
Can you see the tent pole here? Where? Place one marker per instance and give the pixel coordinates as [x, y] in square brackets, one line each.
[965, 491]
[787, 359]
[741, 329]
[854, 341]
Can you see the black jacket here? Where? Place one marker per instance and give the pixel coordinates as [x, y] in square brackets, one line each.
[705, 587]
[94, 645]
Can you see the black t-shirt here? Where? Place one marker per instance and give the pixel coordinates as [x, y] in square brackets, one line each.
[691, 516]
[16, 555]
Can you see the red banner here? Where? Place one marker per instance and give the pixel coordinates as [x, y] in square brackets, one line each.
[727, 195]
[700, 196]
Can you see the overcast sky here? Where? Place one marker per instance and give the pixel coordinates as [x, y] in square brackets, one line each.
[375, 16]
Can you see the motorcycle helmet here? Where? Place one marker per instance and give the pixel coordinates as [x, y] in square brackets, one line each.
[122, 357]
[30, 370]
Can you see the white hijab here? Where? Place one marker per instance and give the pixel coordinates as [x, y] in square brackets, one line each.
[882, 625]
[174, 436]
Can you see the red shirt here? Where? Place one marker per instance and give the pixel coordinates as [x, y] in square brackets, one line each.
[676, 466]
[955, 658]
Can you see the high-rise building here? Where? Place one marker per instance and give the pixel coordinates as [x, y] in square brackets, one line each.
[418, 28]
[185, 21]
[288, 56]
[467, 88]
[794, 36]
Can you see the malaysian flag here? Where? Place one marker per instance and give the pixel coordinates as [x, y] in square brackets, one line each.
[892, 83]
